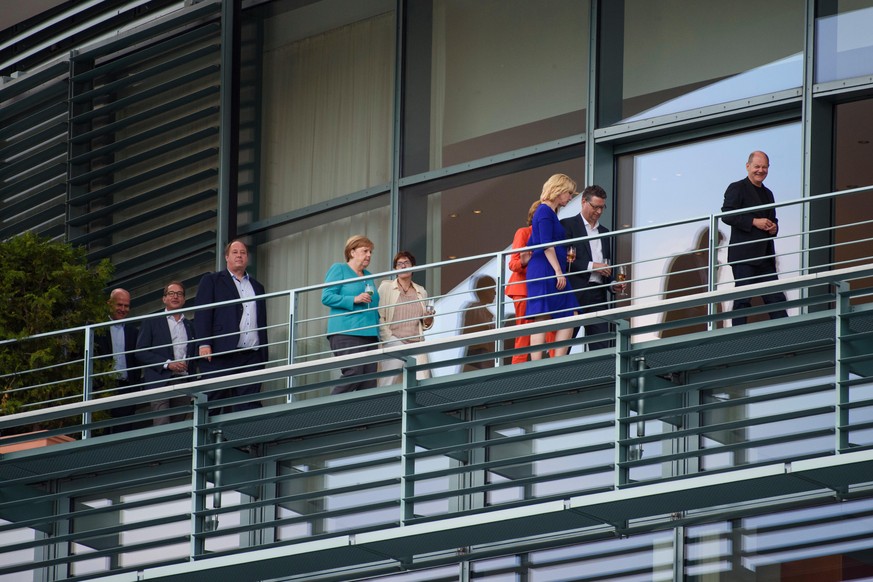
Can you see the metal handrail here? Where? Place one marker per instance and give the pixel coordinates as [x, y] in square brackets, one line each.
[297, 319]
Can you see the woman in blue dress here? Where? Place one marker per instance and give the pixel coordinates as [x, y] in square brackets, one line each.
[549, 293]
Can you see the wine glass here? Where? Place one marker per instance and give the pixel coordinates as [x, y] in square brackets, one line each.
[571, 254]
[369, 290]
[621, 277]
[429, 309]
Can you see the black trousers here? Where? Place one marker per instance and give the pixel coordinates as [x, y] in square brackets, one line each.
[748, 274]
[342, 344]
[225, 364]
[591, 300]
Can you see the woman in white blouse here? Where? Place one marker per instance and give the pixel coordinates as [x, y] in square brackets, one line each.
[403, 316]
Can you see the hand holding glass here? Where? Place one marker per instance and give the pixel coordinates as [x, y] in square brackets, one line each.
[621, 277]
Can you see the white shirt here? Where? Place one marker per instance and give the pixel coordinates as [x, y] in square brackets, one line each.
[596, 250]
[248, 323]
[118, 352]
[180, 338]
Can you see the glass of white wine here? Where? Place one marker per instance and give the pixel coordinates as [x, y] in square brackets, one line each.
[621, 277]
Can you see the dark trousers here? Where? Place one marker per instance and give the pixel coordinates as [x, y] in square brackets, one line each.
[746, 274]
[596, 299]
[342, 344]
[124, 387]
[231, 363]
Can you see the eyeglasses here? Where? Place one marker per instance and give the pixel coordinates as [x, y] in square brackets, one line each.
[596, 207]
[402, 264]
[174, 294]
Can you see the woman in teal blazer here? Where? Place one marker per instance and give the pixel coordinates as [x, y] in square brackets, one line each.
[353, 325]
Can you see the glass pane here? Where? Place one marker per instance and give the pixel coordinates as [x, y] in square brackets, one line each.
[327, 103]
[682, 55]
[475, 218]
[843, 45]
[689, 181]
[492, 76]
[817, 543]
[853, 150]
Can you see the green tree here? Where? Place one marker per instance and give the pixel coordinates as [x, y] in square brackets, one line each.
[46, 285]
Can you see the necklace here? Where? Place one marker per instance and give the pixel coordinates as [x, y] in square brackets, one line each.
[405, 289]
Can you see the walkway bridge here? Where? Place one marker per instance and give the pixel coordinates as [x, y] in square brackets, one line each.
[650, 434]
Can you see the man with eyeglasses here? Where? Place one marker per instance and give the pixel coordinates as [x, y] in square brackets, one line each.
[166, 347]
[590, 274]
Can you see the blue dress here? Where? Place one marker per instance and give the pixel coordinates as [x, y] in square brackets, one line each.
[543, 296]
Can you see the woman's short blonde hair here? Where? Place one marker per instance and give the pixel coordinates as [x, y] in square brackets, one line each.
[557, 185]
[355, 242]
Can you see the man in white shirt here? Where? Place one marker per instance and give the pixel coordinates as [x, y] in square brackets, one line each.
[590, 273]
[166, 347]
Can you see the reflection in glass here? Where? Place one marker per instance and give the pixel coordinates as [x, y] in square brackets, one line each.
[844, 47]
[702, 51]
[832, 542]
[687, 182]
[503, 75]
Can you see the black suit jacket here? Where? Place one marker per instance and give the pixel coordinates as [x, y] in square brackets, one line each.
[208, 323]
[744, 194]
[579, 280]
[103, 347]
[155, 347]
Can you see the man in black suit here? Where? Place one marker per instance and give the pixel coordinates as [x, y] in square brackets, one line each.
[751, 253]
[231, 338]
[590, 274]
[119, 342]
[166, 347]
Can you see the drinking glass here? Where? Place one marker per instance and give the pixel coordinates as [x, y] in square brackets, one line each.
[621, 277]
[571, 254]
[368, 289]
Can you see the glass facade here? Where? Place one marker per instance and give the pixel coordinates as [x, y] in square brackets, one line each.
[679, 56]
[430, 126]
[489, 77]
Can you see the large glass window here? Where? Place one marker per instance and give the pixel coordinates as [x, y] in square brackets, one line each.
[679, 55]
[688, 182]
[491, 76]
[853, 149]
[327, 102]
[817, 543]
[843, 45]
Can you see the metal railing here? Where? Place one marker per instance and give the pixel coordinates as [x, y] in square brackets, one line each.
[297, 333]
[655, 416]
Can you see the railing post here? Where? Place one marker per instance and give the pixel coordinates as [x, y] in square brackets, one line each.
[199, 459]
[87, 381]
[292, 343]
[407, 444]
[623, 387]
[841, 370]
[500, 307]
[712, 269]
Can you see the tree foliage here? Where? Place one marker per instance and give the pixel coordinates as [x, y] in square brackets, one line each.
[46, 285]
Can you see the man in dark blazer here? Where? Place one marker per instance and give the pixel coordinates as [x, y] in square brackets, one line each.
[166, 347]
[231, 338]
[118, 342]
[751, 253]
[590, 274]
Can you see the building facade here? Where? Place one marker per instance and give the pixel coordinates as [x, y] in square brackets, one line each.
[152, 132]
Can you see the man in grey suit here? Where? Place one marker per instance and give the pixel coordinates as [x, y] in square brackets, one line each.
[166, 347]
